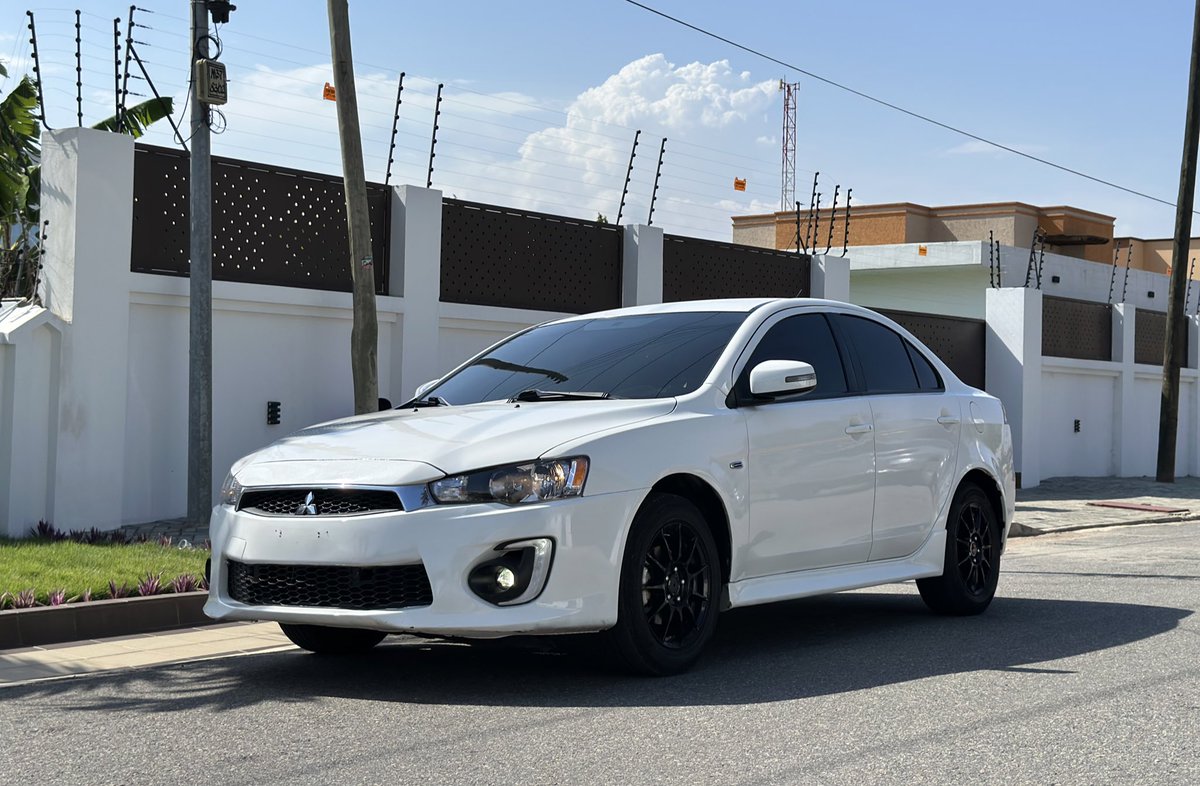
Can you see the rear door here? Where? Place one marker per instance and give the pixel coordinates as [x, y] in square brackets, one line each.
[917, 427]
[811, 481]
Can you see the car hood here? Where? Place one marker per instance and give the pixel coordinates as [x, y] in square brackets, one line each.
[415, 446]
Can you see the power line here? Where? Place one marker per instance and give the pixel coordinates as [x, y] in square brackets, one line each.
[897, 108]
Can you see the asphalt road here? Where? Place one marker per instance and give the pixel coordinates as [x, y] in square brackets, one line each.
[1085, 670]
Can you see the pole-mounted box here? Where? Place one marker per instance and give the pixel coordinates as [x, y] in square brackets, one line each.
[211, 82]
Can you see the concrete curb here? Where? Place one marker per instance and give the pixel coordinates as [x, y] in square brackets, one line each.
[1020, 530]
[101, 619]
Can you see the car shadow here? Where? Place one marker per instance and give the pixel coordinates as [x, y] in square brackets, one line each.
[812, 647]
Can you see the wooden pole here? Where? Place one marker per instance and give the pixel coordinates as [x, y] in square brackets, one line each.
[364, 335]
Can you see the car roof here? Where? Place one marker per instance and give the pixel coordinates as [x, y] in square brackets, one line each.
[743, 305]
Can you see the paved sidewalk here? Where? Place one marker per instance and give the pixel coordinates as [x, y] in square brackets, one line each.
[77, 658]
[1064, 504]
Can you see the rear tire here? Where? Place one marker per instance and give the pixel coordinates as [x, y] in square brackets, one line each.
[669, 590]
[331, 641]
[972, 563]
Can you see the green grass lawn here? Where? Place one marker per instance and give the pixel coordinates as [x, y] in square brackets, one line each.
[44, 566]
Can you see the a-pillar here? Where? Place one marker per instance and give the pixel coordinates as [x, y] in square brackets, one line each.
[1014, 370]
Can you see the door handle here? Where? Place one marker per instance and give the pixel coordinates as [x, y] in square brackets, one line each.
[859, 428]
[949, 420]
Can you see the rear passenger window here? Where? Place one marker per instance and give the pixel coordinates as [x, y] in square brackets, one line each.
[807, 338]
[882, 354]
[927, 376]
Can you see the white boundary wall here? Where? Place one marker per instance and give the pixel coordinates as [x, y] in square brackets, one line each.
[93, 387]
[1116, 403]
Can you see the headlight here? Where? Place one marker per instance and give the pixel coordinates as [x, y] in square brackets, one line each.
[231, 490]
[533, 482]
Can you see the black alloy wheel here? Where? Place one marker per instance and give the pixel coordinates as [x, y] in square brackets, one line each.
[971, 569]
[669, 589]
[676, 585]
[975, 549]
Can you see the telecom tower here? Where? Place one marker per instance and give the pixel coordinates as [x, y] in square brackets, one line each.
[787, 191]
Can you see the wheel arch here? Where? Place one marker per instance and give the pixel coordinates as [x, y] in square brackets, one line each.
[990, 487]
[705, 497]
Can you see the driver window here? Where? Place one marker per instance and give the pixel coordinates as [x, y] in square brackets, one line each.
[807, 338]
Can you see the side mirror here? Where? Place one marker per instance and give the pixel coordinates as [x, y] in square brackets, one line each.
[423, 389]
[782, 378]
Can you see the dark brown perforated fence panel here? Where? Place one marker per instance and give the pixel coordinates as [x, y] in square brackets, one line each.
[696, 269]
[1076, 329]
[1150, 336]
[497, 256]
[958, 341]
[271, 225]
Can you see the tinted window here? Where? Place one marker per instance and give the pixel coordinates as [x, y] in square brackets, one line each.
[806, 337]
[927, 376]
[882, 355]
[645, 356]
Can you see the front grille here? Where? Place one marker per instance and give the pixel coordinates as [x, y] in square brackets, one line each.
[324, 502]
[329, 586]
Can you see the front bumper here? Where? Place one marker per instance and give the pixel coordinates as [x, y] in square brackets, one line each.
[580, 593]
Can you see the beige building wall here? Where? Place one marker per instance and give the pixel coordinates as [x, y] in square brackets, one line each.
[1155, 255]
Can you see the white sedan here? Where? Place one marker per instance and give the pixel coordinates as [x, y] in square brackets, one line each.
[632, 473]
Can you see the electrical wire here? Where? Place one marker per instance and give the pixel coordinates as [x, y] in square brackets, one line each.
[898, 108]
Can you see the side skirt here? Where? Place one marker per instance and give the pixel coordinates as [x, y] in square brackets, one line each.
[926, 561]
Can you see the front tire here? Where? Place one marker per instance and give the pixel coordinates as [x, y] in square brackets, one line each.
[972, 564]
[669, 590]
[331, 641]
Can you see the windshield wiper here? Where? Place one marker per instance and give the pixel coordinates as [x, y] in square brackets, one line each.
[533, 394]
[428, 401]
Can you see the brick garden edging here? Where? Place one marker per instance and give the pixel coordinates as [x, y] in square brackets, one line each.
[101, 618]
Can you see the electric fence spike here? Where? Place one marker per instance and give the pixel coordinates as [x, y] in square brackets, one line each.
[628, 174]
[78, 71]
[437, 112]
[832, 218]
[999, 267]
[1032, 257]
[117, 72]
[1112, 281]
[991, 260]
[125, 71]
[846, 223]
[1128, 260]
[812, 201]
[174, 127]
[1041, 257]
[816, 235]
[1191, 274]
[37, 72]
[387, 178]
[799, 240]
[657, 174]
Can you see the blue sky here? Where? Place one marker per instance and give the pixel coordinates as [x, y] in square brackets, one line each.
[542, 98]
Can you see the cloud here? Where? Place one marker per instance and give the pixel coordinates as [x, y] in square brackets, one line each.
[976, 147]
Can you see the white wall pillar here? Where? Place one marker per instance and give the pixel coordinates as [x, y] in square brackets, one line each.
[416, 259]
[87, 196]
[642, 265]
[1127, 421]
[829, 278]
[1014, 370]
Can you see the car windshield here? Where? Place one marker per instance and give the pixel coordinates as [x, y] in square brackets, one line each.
[635, 356]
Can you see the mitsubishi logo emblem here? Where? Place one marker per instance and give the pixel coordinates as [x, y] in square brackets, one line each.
[308, 507]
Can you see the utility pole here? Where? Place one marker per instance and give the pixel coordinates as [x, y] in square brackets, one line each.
[364, 335]
[200, 487]
[1168, 417]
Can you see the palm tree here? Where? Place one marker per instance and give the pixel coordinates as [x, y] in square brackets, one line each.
[20, 177]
